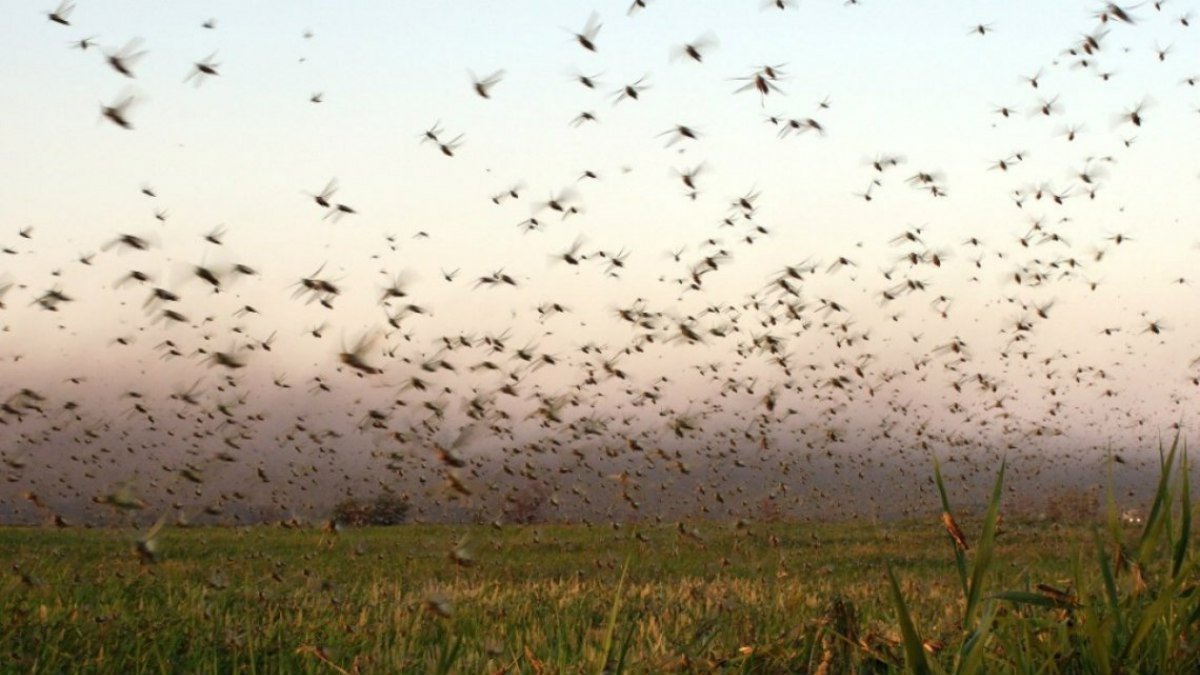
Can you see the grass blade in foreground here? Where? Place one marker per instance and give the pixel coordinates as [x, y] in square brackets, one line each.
[914, 649]
[960, 561]
[606, 665]
[985, 551]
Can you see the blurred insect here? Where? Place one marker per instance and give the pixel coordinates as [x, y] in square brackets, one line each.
[124, 59]
[483, 86]
[587, 37]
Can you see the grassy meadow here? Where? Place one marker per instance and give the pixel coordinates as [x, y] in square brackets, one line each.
[1027, 597]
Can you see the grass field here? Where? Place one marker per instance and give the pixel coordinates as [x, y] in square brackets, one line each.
[759, 597]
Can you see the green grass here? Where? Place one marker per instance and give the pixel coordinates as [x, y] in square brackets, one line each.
[763, 598]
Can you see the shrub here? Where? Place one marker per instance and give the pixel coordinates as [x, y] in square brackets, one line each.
[1073, 505]
[384, 509]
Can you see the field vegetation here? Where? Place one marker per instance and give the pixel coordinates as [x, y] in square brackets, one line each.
[980, 594]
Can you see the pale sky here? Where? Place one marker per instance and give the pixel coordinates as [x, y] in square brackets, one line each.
[244, 151]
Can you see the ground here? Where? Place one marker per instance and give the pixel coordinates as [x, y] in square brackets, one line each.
[473, 599]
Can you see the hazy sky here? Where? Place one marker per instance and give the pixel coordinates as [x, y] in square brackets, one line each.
[1068, 327]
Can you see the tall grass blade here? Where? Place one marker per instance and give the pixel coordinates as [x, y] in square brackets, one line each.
[1112, 600]
[1185, 516]
[970, 657]
[610, 629]
[960, 560]
[914, 649]
[1100, 642]
[624, 652]
[1151, 615]
[1162, 502]
[449, 656]
[1112, 517]
[985, 551]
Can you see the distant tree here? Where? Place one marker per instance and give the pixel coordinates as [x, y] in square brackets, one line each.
[525, 508]
[352, 512]
[384, 509]
[388, 509]
[769, 511]
[1072, 505]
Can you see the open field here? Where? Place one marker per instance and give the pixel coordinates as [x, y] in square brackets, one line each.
[627, 337]
[762, 597]
[223, 600]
